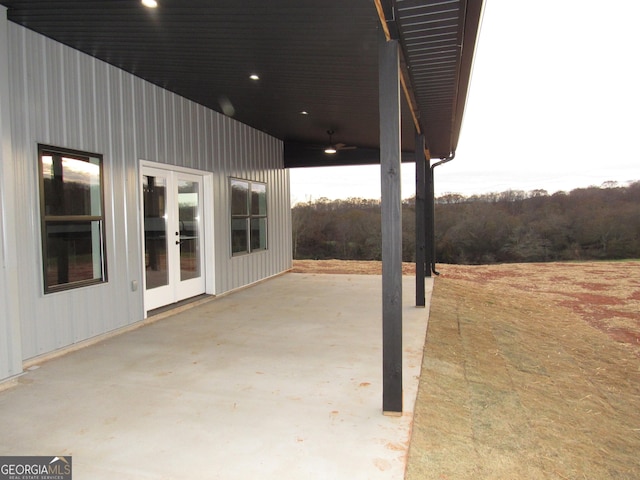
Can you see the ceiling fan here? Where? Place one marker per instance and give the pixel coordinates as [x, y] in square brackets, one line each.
[332, 148]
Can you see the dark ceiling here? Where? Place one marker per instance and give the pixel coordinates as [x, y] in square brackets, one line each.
[311, 56]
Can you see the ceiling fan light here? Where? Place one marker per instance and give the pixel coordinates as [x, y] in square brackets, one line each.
[330, 150]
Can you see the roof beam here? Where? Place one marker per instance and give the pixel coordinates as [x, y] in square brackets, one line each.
[385, 13]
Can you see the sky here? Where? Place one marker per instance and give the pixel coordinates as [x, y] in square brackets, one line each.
[554, 104]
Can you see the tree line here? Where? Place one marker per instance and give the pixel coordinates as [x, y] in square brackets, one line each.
[512, 226]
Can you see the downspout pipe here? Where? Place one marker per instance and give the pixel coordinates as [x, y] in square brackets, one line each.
[433, 213]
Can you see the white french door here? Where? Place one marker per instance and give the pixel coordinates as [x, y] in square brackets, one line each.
[173, 236]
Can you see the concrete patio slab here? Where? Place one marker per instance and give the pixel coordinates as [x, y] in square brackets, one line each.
[279, 380]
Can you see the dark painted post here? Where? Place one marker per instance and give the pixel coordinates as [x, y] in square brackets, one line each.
[428, 224]
[421, 187]
[390, 148]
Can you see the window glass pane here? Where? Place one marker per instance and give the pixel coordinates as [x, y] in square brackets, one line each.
[258, 233]
[239, 197]
[71, 185]
[239, 235]
[73, 252]
[258, 199]
[155, 231]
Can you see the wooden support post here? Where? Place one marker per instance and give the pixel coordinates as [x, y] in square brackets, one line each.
[421, 186]
[390, 154]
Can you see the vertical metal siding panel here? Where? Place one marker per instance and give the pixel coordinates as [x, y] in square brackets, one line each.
[178, 154]
[146, 128]
[267, 174]
[109, 118]
[129, 176]
[185, 156]
[237, 167]
[24, 97]
[246, 264]
[54, 108]
[205, 131]
[247, 171]
[100, 132]
[223, 245]
[215, 125]
[10, 342]
[274, 179]
[213, 161]
[170, 129]
[196, 145]
[50, 107]
[151, 125]
[255, 158]
[176, 132]
[276, 222]
[219, 205]
[288, 253]
[238, 157]
[202, 143]
[140, 115]
[75, 98]
[166, 137]
[237, 160]
[45, 324]
[229, 265]
[179, 133]
[285, 209]
[101, 140]
[204, 140]
[268, 260]
[217, 151]
[192, 134]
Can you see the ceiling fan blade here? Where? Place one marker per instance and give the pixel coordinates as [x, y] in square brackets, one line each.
[345, 147]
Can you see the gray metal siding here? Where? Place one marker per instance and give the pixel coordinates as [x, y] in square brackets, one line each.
[10, 344]
[68, 99]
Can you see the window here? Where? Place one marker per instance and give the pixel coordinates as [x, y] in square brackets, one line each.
[248, 216]
[72, 216]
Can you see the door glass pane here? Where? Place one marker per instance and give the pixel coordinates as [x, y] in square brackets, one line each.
[155, 231]
[189, 220]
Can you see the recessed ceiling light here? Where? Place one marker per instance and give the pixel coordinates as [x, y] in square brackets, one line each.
[150, 3]
[253, 76]
[304, 112]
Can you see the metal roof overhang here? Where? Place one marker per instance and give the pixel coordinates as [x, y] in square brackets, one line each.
[315, 57]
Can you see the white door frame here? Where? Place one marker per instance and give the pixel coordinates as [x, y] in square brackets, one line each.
[207, 216]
